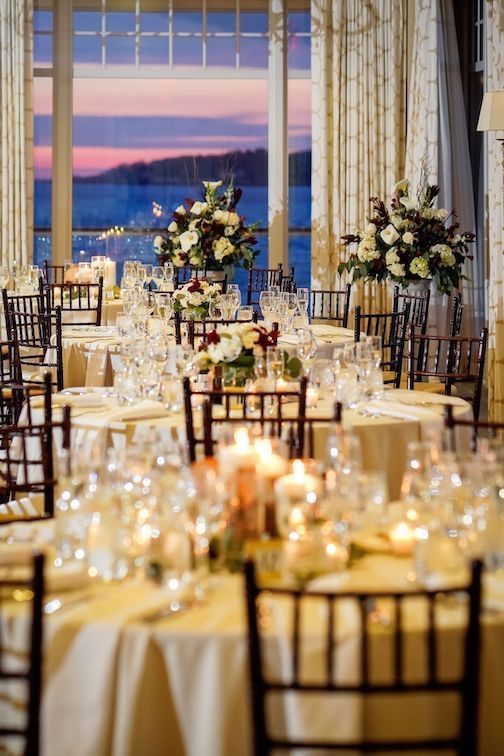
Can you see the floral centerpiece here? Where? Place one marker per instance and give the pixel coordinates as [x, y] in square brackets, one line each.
[195, 297]
[209, 233]
[409, 241]
[236, 345]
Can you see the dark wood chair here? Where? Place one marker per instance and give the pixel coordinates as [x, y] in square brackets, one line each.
[260, 279]
[84, 301]
[53, 274]
[419, 306]
[27, 303]
[493, 428]
[37, 334]
[392, 328]
[456, 313]
[331, 305]
[30, 673]
[333, 684]
[27, 459]
[264, 409]
[288, 282]
[453, 360]
[9, 362]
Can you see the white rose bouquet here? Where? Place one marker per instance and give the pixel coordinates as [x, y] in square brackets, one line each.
[209, 233]
[195, 297]
[409, 241]
[236, 344]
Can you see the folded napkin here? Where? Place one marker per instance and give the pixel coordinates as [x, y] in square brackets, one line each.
[416, 398]
[399, 411]
[288, 338]
[74, 400]
[144, 410]
[329, 331]
[86, 332]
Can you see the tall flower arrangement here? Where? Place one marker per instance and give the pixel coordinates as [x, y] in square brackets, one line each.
[411, 240]
[209, 232]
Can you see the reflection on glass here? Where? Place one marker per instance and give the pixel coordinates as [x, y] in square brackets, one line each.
[299, 53]
[221, 51]
[253, 23]
[42, 50]
[154, 51]
[187, 51]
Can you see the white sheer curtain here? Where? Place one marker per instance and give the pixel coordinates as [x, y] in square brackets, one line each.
[16, 130]
[358, 106]
[437, 137]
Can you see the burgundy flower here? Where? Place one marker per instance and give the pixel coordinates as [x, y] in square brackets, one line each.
[194, 286]
[213, 337]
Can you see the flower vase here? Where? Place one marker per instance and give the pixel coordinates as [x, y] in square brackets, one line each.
[416, 286]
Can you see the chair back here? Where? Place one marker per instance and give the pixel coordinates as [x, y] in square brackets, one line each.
[27, 462]
[452, 422]
[456, 313]
[260, 279]
[371, 648]
[52, 274]
[83, 300]
[331, 305]
[38, 336]
[453, 360]
[197, 330]
[392, 328]
[10, 370]
[29, 672]
[264, 409]
[288, 282]
[419, 306]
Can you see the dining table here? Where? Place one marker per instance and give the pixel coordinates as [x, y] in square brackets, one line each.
[127, 673]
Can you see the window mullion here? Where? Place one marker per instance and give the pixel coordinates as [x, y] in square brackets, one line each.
[278, 174]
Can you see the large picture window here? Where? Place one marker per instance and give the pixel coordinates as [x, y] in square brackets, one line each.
[166, 93]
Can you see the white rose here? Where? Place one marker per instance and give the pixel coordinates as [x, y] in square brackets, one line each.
[228, 349]
[222, 248]
[212, 185]
[180, 210]
[408, 237]
[407, 203]
[158, 240]
[402, 187]
[370, 229]
[366, 250]
[193, 225]
[397, 270]
[199, 208]
[229, 231]
[389, 235]
[188, 239]
[429, 212]
[391, 257]
[442, 214]
[175, 241]
[419, 266]
[173, 227]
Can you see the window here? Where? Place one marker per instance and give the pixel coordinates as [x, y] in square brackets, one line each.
[167, 93]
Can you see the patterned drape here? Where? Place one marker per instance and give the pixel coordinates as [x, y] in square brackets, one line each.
[358, 106]
[495, 219]
[16, 130]
[437, 135]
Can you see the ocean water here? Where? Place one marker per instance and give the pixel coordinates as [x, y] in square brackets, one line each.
[101, 207]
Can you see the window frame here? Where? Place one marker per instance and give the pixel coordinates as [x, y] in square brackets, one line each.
[63, 72]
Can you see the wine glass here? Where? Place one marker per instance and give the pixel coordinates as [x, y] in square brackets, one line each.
[141, 274]
[274, 363]
[158, 276]
[164, 305]
[306, 348]
[302, 300]
[266, 305]
[234, 291]
[292, 305]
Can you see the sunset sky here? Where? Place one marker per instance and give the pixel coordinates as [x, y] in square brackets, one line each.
[129, 120]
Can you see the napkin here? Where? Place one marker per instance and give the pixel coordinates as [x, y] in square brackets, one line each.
[399, 411]
[86, 332]
[74, 400]
[144, 410]
[287, 338]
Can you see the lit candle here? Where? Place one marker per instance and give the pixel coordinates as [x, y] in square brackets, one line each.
[298, 483]
[269, 465]
[402, 539]
[84, 274]
[238, 456]
[311, 397]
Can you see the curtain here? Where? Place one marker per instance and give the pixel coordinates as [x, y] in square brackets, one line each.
[437, 138]
[16, 131]
[358, 107]
[495, 215]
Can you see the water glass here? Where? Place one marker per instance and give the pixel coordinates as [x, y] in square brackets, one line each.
[158, 276]
[245, 313]
[302, 300]
[274, 363]
[234, 291]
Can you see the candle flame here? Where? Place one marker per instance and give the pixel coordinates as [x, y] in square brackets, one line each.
[299, 469]
[264, 448]
[296, 516]
[402, 530]
[242, 439]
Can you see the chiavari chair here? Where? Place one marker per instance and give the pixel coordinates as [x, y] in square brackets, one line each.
[452, 422]
[27, 303]
[233, 407]
[197, 330]
[38, 336]
[83, 300]
[331, 305]
[288, 282]
[419, 306]
[183, 275]
[27, 459]
[392, 328]
[456, 312]
[332, 684]
[453, 360]
[53, 274]
[29, 672]
[260, 279]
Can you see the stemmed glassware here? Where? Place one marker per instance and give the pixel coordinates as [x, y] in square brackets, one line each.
[158, 276]
[164, 305]
[302, 300]
[306, 348]
[4, 276]
[233, 291]
[291, 302]
[266, 303]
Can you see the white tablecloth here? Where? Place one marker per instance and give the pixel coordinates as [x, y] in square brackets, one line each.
[116, 686]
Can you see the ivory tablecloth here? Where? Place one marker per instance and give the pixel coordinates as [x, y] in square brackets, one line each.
[117, 686]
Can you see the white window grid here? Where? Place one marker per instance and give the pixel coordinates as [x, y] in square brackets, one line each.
[478, 46]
